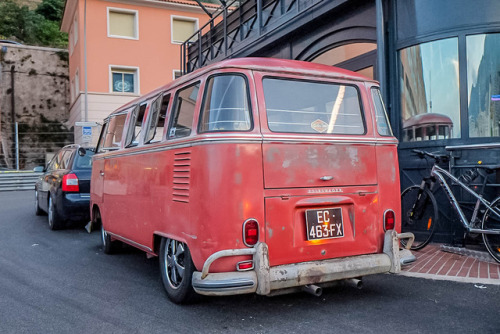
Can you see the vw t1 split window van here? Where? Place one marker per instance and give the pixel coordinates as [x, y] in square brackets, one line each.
[253, 176]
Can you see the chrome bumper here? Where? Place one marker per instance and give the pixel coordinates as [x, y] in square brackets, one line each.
[265, 280]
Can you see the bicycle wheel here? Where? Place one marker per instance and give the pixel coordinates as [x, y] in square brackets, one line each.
[419, 215]
[492, 222]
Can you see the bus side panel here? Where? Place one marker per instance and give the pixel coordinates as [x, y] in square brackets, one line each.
[134, 185]
[388, 177]
[96, 183]
[226, 189]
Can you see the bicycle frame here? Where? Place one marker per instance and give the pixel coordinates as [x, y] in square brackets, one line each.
[440, 173]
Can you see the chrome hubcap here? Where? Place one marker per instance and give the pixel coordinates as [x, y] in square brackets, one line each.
[174, 262]
[50, 212]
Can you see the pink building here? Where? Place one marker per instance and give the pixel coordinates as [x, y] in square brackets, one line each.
[133, 46]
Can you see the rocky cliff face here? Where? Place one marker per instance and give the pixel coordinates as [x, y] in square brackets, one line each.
[34, 93]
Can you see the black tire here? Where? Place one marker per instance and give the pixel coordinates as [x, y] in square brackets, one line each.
[38, 211]
[176, 268]
[55, 222]
[490, 222]
[108, 246]
[423, 220]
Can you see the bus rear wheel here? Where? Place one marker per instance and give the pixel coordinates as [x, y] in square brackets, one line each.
[176, 268]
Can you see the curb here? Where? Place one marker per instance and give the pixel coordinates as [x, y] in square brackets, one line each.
[488, 281]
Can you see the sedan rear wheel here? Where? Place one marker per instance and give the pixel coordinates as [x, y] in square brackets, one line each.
[54, 219]
[38, 211]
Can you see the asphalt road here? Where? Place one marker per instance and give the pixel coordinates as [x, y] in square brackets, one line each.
[61, 282]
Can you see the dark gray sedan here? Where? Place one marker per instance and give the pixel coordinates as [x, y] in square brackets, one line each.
[63, 191]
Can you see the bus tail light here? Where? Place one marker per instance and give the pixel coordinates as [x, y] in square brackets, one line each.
[244, 265]
[70, 183]
[250, 232]
[389, 220]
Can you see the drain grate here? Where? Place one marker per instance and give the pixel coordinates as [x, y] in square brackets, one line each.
[480, 255]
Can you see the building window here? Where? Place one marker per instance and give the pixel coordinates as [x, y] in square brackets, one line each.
[70, 42]
[183, 28]
[123, 23]
[483, 85]
[77, 84]
[355, 57]
[429, 85]
[177, 74]
[72, 90]
[75, 30]
[124, 80]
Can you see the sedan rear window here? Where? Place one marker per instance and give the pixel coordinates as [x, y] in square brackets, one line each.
[312, 107]
[84, 162]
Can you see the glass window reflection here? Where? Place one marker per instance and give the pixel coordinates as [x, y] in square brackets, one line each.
[429, 86]
[483, 85]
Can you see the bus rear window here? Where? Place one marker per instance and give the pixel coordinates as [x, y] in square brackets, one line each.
[312, 107]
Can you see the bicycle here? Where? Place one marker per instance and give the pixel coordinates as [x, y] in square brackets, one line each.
[420, 213]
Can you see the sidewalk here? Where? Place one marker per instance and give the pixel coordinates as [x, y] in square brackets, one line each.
[441, 262]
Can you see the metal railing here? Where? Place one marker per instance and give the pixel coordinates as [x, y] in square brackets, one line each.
[239, 23]
[10, 181]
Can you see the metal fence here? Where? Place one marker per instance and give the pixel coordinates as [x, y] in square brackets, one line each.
[27, 145]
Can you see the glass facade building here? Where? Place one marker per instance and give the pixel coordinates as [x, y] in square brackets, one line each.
[438, 63]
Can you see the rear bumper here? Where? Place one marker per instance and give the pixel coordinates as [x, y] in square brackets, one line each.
[75, 206]
[266, 280]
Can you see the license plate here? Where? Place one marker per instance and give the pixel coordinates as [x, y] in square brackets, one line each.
[324, 224]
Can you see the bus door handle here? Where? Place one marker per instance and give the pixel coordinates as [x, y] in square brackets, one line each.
[102, 173]
[326, 178]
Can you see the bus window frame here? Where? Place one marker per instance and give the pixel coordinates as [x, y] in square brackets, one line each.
[173, 109]
[129, 139]
[204, 97]
[149, 119]
[102, 136]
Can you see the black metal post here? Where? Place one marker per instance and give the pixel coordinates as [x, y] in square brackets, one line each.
[200, 53]
[259, 17]
[224, 19]
[381, 74]
[13, 108]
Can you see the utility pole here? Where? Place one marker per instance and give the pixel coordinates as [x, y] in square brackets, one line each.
[13, 108]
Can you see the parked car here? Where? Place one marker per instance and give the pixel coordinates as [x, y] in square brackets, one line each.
[63, 191]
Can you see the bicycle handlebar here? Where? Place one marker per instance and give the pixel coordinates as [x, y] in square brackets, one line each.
[437, 157]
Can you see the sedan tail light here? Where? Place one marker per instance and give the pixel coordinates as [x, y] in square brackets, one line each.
[70, 183]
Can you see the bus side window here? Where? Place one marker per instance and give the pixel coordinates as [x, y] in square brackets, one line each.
[135, 125]
[182, 118]
[156, 120]
[102, 138]
[383, 125]
[226, 105]
[112, 135]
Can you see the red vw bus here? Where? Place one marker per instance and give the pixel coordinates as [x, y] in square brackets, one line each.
[253, 175]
